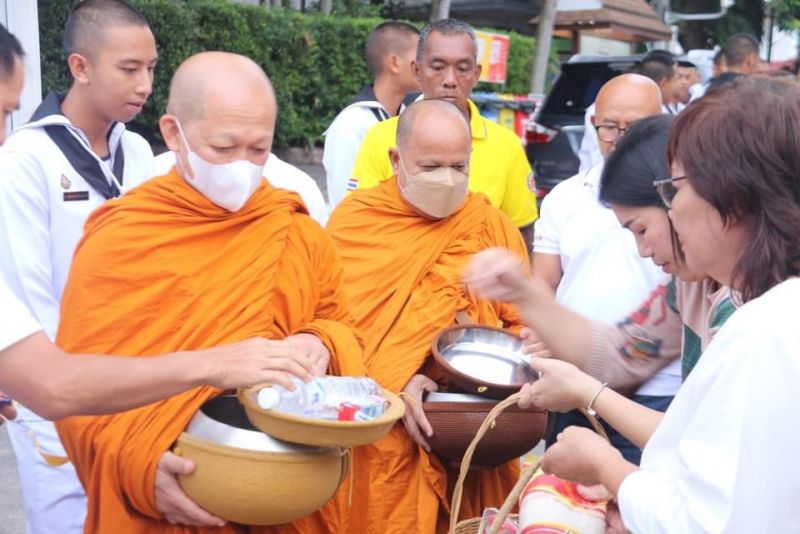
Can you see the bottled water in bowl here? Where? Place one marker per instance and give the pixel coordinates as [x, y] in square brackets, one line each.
[342, 398]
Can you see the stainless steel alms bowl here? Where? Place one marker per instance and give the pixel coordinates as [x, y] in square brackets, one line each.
[484, 360]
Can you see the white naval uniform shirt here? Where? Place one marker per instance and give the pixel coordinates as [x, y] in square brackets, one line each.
[44, 204]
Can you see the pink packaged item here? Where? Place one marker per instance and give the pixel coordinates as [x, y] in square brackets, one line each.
[550, 505]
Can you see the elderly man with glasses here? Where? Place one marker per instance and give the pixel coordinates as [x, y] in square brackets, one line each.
[581, 251]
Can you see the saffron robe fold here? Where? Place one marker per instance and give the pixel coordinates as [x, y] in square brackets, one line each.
[163, 269]
[403, 277]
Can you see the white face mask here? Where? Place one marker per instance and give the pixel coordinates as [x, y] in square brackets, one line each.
[228, 185]
[437, 193]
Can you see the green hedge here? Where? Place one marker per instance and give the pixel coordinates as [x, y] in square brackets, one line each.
[315, 62]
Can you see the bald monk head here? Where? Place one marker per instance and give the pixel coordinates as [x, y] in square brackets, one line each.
[225, 106]
[431, 160]
[622, 101]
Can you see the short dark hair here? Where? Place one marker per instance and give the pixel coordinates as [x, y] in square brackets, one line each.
[738, 47]
[446, 27]
[639, 158]
[657, 66]
[10, 50]
[389, 37]
[739, 149]
[87, 20]
[719, 56]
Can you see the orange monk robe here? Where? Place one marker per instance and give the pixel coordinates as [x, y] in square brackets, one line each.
[403, 276]
[163, 269]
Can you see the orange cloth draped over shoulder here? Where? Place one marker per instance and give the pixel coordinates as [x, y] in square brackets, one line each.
[163, 269]
[403, 277]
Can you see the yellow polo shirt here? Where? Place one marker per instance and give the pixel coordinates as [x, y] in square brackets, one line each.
[498, 166]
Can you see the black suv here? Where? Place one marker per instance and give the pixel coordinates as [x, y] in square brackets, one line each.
[555, 134]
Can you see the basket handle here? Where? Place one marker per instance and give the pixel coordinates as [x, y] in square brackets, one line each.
[525, 476]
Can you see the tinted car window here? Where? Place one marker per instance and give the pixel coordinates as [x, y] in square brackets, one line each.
[577, 86]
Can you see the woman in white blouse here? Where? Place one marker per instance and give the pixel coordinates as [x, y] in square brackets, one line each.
[724, 457]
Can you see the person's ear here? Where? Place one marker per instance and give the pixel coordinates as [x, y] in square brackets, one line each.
[478, 70]
[169, 131]
[79, 67]
[416, 69]
[392, 63]
[394, 159]
[168, 124]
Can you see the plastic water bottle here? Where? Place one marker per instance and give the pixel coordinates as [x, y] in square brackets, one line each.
[321, 398]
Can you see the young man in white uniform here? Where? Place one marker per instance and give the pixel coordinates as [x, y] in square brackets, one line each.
[391, 50]
[581, 251]
[73, 156]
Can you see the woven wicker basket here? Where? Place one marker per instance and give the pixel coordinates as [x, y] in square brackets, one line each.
[472, 525]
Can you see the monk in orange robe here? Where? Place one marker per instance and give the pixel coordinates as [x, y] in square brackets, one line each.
[206, 255]
[404, 245]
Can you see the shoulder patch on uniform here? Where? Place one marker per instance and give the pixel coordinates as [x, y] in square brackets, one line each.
[65, 183]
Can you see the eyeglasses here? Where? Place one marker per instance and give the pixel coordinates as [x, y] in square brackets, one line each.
[666, 189]
[609, 133]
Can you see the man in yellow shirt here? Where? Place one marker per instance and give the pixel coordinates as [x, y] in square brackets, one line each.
[447, 68]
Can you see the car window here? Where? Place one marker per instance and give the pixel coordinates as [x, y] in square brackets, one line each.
[578, 85]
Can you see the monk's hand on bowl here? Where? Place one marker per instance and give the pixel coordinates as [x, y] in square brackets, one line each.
[416, 423]
[578, 455]
[497, 274]
[531, 344]
[561, 386]
[172, 502]
[314, 349]
[256, 361]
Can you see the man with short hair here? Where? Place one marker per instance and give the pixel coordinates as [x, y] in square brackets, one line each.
[447, 69]
[686, 76]
[660, 66]
[741, 54]
[581, 251]
[390, 52]
[404, 244]
[72, 156]
[205, 255]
